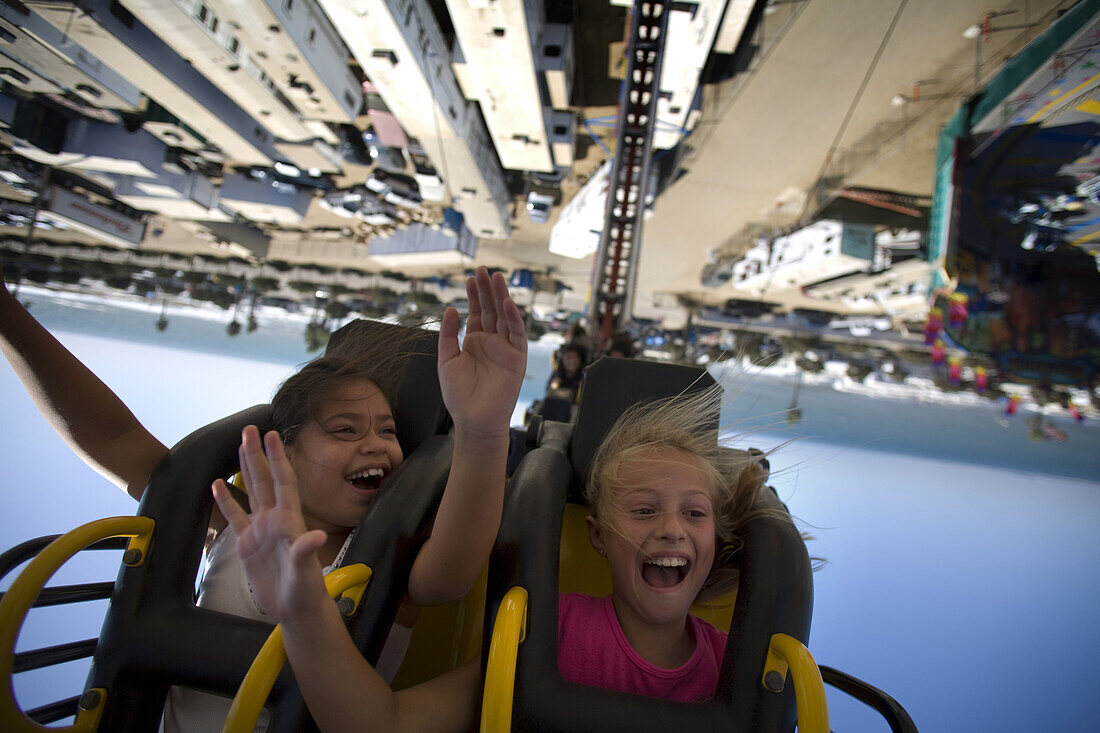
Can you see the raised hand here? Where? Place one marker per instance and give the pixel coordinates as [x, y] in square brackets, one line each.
[278, 553]
[481, 380]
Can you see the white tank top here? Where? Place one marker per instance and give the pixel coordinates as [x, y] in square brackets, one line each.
[224, 587]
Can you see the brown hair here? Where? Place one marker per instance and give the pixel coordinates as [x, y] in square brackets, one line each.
[355, 354]
[687, 423]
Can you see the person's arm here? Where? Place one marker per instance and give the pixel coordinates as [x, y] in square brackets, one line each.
[87, 415]
[340, 687]
[480, 382]
[345, 693]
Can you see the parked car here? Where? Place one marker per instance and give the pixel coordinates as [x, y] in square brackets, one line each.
[342, 203]
[538, 206]
[427, 179]
[408, 199]
[376, 212]
[391, 160]
[395, 188]
[361, 203]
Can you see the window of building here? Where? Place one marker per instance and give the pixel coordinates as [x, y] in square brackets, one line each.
[296, 83]
[89, 90]
[498, 32]
[451, 111]
[288, 5]
[469, 191]
[234, 45]
[204, 13]
[349, 100]
[551, 50]
[213, 24]
[560, 130]
[7, 35]
[385, 53]
[312, 36]
[18, 76]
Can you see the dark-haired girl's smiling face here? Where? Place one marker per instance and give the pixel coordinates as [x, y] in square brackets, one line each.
[343, 454]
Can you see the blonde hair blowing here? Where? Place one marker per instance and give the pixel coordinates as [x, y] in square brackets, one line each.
[689, 423]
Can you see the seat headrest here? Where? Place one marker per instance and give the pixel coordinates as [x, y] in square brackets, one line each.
[610, 386]
[418, 402]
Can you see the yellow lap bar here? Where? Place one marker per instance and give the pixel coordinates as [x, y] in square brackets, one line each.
[509, 630]
[809, 690]
[256, 686]
[20, 597]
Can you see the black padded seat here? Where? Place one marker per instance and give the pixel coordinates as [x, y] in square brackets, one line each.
[154, 636]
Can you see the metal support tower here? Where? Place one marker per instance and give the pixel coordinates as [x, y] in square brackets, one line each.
[616, 262]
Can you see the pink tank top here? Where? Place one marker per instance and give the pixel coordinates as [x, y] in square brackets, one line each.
[594, 651]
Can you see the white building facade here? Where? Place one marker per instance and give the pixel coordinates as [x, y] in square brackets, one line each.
[820, 251]
[401, 49]
[119, 40]
[505, 49]
[296, 45]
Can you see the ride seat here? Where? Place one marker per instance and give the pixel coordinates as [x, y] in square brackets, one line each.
[542, 549]
[154, 636]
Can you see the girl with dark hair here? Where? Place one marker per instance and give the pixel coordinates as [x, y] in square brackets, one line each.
[337, 430]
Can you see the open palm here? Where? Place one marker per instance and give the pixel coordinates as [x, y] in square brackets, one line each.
[278, 553]
[481, 380]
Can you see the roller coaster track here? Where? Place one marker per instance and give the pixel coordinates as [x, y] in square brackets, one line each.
[615, 269]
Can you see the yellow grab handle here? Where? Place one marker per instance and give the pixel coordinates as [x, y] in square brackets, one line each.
[809, 690]
[509, 630]
[20, 597]
[256, 686]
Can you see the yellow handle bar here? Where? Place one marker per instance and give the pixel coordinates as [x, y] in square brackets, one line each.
[809, 690]
[509, 630]
[20, 597]
[256, 686]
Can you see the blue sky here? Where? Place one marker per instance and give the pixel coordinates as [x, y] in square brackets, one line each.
[960, 556]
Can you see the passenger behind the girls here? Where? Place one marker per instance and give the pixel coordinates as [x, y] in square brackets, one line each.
[667, 504]
[335, 417]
